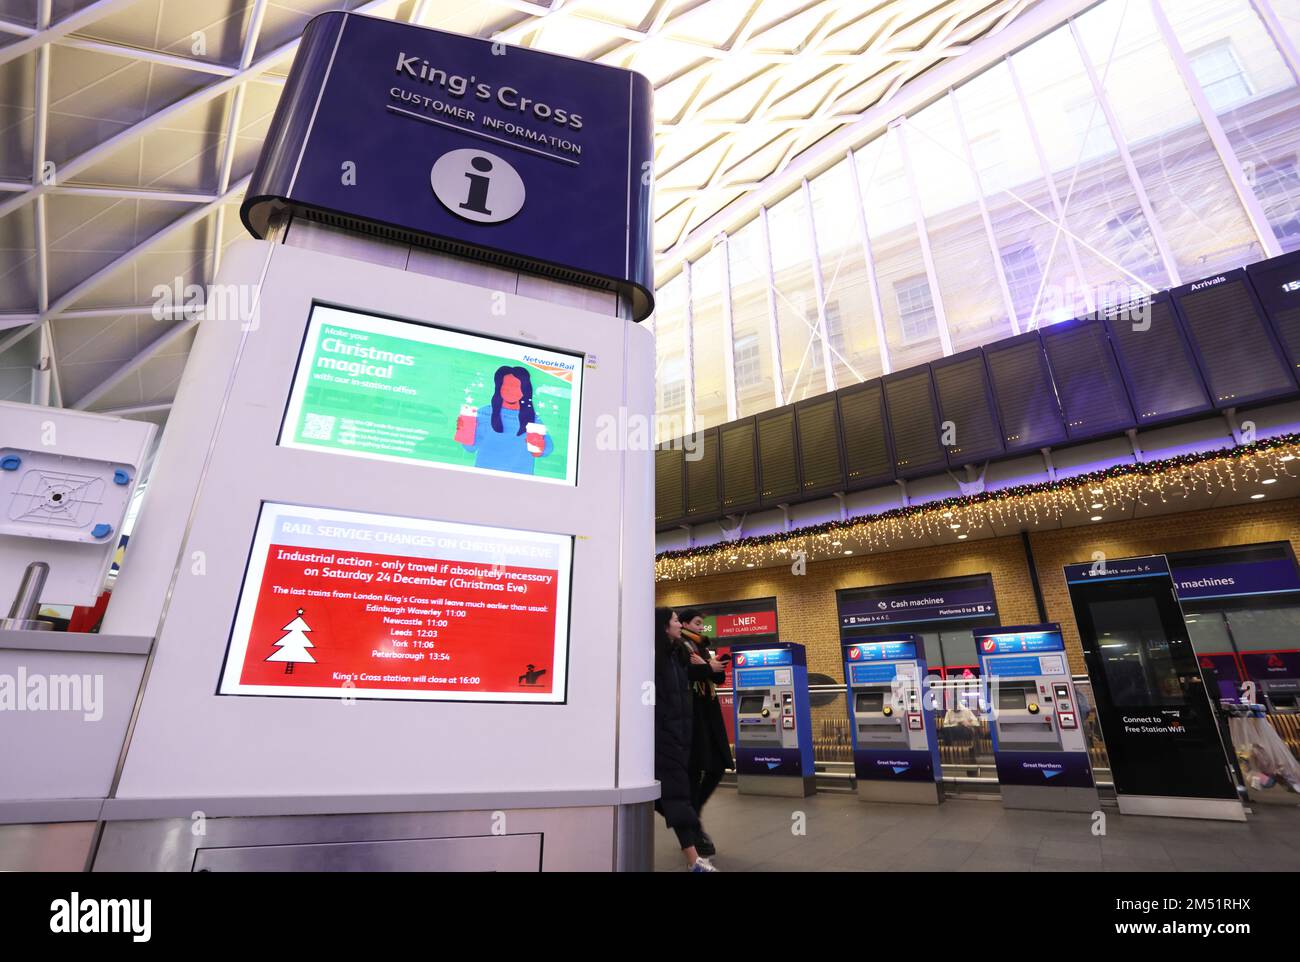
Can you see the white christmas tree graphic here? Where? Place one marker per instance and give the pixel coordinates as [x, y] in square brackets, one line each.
[292, 648]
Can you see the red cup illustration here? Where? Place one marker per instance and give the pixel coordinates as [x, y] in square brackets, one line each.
[466, 424]
[536, 437]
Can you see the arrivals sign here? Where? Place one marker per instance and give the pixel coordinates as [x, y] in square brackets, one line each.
[399, 391]
[341, 604]
[536, 158]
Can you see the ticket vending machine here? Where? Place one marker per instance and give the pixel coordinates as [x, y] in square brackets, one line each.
[1276, 675]
[1039, 743]
[895, 749]
[774, 754]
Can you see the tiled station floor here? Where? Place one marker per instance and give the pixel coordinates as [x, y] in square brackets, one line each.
[754, 834]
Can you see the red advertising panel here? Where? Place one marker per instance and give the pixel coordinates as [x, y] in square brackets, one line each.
[744, 625]
[346, 604]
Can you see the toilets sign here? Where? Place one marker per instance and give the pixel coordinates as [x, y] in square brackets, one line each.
[492, 149]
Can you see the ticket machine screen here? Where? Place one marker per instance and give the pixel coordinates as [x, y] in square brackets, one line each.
[871, 701]
[751, 704]
[1012, 699]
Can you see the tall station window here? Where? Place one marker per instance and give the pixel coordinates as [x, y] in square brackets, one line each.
[670, 360]
[790, 236]
[751, 321]
[973, 302]
[1199, 210]
[1254, 95]
[1103, 214]
[709, 332]
[911, 326]
[1075, 171]
[1020, 200]
[850, 310]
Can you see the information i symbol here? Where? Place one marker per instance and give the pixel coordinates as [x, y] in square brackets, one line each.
[478, 186]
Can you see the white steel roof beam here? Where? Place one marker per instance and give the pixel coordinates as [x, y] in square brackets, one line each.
[911, 96]
[69, 24]
[161, 117]
[251, 35]
[188, 218]
[170, 336]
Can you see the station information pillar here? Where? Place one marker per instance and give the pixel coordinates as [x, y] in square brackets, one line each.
[398, 549]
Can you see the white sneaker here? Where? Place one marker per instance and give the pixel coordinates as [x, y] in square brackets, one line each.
[702, 864]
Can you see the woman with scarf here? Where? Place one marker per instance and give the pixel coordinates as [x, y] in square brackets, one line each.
[710, 747]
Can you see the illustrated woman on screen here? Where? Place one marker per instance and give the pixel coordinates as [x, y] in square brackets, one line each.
[506, 435]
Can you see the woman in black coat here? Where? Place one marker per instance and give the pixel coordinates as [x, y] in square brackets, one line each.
[710, 746]
[673, 726]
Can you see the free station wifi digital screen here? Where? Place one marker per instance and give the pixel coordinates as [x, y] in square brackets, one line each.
[394, 390]
[349, 604]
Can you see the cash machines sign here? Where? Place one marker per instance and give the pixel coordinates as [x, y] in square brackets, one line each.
[1039, 743]
[774, 754]
[895, 752]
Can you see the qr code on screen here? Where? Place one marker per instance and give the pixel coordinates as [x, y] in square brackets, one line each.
[318, 427]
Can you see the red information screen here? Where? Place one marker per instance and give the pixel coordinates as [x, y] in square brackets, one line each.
[343, 604]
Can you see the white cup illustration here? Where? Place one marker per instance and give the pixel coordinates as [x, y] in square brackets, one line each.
[536, 436]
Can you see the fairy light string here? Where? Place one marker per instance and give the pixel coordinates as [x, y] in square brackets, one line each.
[1122, 485]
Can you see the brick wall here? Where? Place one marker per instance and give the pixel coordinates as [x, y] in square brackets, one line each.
[806, 603]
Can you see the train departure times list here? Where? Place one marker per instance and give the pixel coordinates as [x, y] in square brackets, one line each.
[345, 604]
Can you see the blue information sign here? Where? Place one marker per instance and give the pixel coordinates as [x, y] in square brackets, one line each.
[1149, 566]
[907, 604]
[519, 156]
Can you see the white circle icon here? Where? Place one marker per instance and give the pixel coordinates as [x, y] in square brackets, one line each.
[477, 186]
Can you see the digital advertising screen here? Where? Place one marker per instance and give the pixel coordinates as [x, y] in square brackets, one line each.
[347, 604]
[394, 390]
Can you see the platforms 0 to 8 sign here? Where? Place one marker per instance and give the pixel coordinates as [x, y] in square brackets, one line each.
[340, 603]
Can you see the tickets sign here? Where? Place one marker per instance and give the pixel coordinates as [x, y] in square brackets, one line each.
[343, 604]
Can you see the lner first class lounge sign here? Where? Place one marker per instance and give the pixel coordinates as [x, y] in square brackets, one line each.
[487, 147]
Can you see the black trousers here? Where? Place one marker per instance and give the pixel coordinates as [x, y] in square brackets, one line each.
[683, 820]
[703, 784]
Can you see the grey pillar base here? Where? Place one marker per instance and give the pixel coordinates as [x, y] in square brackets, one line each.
[1219, 809]
[46, 847]
[1045, 799]
[787, 786]
[583, 839]
[907, 793]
